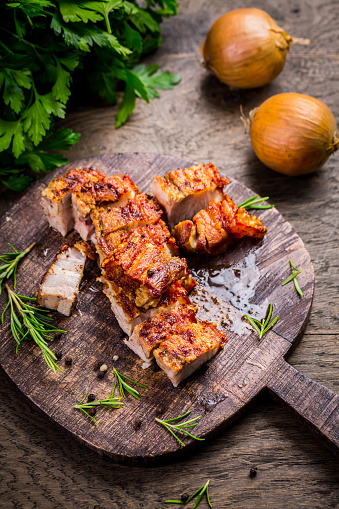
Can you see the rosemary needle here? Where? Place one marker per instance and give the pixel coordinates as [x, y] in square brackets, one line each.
[251, 203]
[263, 326]
[10, 263]
[34, 326]
[120, 378]
[293, 277]
[180, 427]
[109, 402]
[199, 494]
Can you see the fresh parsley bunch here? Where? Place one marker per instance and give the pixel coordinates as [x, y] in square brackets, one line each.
[52, 49]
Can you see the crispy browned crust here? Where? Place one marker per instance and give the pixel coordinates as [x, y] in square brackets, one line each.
[184, 345]
[184, 182]
[90, 186]
[213, 228]
[85, 248]
[141, 209]
[175, 293]
[239, 223]
[185, 234]
[143, 260]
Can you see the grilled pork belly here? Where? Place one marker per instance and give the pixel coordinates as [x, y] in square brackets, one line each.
[186, 350]
[140, 211]
[68, 200]
[114, 191]
[145, 265]
[59, 287]
[182, 193]
[127, 313]
[56, 198]
[213, 228]
[152, 332]
[178, 342]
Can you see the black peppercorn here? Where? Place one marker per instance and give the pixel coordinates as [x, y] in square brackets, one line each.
[90, 397]
[68, 361]
[253, 471]
[142, 236]
[92, 411]
[97, 365]
[137, 424]
[101, 374]
[58, 354]
[57, 336]
[184, 497]
[150, 272]
[160, 409]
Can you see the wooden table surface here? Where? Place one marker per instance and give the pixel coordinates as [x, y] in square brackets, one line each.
[199, 119]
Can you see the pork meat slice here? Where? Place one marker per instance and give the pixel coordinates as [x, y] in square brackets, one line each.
[185, 349]
[59, 287]
[56, 199]
[138, 212]
[182, 193]
[127, 313]
[211, 231]
[154, 330]
[145, 264]
[114, 191]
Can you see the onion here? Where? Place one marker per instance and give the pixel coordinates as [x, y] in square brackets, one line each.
[293, 134]
[245, 48]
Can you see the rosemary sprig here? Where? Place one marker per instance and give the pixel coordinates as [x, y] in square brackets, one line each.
[119, 378]
[10, 262]
[109, 402]
[263, 326]
[199, 493]
[293, 277]
[181, 427]
[251, 203]
[35, 325]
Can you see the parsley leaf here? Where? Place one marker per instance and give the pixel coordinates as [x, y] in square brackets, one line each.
[153, 79]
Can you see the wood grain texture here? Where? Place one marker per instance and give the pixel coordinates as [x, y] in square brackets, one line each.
[199, 119]
[245, 279]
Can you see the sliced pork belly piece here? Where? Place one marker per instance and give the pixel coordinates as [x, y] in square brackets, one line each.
[152, 332]
[56, 198]
[240, 223]
[145, 264]
[213, 228]
[182, 193]
[186, 349]
[140, 211]
[59, 287]
[116, 191]
[127, 313]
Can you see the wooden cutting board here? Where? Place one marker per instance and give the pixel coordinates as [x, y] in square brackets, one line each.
[246, 279]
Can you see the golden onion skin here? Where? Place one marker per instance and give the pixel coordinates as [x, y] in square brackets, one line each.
[245, 48]
[293, 134]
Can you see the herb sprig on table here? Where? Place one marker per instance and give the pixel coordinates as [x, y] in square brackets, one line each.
[181, 427]
[120, 379]
[34, 325]
[54, 51]
[293, 277]
[264, 325]
[252, 203]
[199, 494]
[10, 263]
[110, 402]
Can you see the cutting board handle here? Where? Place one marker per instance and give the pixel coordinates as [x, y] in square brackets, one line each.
[314, 404]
